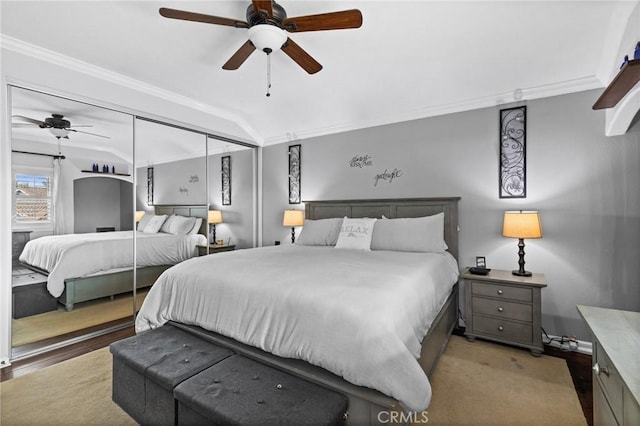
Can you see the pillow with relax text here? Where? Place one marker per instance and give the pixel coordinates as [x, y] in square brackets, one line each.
[356, 233]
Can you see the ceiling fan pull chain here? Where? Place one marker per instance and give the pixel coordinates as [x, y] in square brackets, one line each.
[268, 74]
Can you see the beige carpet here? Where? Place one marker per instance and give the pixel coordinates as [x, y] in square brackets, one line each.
[474, 384]
[84, 315]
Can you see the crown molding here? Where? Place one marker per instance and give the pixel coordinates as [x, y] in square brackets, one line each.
[40, 53]
[544, 91]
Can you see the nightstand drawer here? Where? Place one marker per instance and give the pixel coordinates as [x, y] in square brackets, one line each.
[502, 309]
[507, 330]
[501, 291]
[610, 380]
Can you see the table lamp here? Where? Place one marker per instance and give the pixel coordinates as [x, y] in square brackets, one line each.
[521, 225]
[293, 218]
[215, 216]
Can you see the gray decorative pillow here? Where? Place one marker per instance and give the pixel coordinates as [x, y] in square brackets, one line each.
[320, 232]
[144, 221]
[196, 227]
[166, 226]
[421, 234]
[181, 225]
[154, 224]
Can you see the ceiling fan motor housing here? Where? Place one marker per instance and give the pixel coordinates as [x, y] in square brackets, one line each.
[57, 122]
[255, 17]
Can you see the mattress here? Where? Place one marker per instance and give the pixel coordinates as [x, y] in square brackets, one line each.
[359, 314]
[80, 255]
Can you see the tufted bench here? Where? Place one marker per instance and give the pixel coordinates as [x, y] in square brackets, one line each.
[240, 391]
[147, 367]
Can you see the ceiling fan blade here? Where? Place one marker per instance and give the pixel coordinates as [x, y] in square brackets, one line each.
[265, 6]
[81, 125]
[87, 133]
[199, 17]
[301, 57]
[24, 126]
[324, 21]
[240, 56]
[31, 120]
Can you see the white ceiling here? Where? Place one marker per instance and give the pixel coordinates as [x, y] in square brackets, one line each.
[410, 59]
[155, 143]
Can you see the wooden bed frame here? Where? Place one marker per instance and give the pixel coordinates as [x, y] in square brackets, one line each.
[110, 284]
[367, 406]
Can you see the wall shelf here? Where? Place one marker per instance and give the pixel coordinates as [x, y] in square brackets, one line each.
[105, 173]
[624, 81]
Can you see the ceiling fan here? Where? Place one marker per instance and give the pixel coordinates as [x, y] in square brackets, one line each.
[267, 25]
[57, 125]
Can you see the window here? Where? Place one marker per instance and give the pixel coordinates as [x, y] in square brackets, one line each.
[33, 199]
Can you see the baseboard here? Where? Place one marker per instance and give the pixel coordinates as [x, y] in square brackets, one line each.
[572, 345]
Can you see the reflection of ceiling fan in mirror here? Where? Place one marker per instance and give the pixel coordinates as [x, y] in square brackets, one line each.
[267, 25]
[57, 125]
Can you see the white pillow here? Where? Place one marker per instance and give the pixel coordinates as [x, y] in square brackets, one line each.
[144, 220]
[196, 227]
[420, 234]
[181, 225]
[356, 233]
[320, 232]
[166, 226]
[154, 225]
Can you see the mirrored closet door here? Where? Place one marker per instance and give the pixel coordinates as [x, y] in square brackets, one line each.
[73, 201]
[88, 182]
[171, 199]
[232, 184]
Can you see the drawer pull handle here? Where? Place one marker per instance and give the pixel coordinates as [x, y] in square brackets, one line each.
[499, 291]
[500, 309]
[500, 328]
[597, 369]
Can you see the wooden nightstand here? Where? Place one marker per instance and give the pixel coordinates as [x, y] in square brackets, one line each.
[215, 248]
[504, 308]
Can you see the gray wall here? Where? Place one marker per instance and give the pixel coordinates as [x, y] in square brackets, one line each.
[98, 202]
[585, 185]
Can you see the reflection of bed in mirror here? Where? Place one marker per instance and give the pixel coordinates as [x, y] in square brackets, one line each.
[368, 324]
[83, 267]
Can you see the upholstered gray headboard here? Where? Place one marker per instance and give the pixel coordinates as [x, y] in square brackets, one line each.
[195, 210]
[394, 208]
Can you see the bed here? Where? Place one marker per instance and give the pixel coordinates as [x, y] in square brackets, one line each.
[83, 267]
[325, 355]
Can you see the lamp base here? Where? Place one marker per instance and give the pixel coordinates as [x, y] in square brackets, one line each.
[521, 273]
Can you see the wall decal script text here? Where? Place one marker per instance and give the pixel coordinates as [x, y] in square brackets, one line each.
[387, 176]
[361, 161]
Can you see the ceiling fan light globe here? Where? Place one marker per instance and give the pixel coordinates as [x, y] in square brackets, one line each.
[265, 36]
[59, 133]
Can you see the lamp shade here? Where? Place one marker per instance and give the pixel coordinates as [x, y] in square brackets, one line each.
[139, 214]
[522, 224]
[215, 216]
[293, 218]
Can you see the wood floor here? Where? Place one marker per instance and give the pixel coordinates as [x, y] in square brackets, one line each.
[579, 364]
[36, 362]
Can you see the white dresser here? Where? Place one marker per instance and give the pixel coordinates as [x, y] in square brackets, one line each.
[616, 365]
